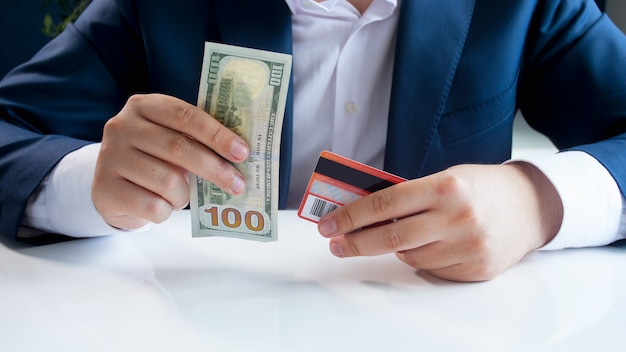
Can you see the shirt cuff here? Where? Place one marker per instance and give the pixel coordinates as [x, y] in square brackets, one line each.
[592, 202]
[62, 204]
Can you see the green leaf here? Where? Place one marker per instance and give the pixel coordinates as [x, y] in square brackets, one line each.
[71, 11]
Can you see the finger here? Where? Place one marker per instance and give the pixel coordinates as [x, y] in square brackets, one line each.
[408, 233]
[395, 202]
[433, 256]
[162, 178]
[190, 120]
[126, 205]
[178, 149]
[465, 272]
[451, 262]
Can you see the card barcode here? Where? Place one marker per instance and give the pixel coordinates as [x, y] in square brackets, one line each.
[314, 207]
[321, 207]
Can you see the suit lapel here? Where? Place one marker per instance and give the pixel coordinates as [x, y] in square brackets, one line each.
[263, 25]
[431, 36]
[257, 24]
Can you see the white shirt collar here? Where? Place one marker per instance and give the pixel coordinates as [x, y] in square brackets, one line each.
[295, 5]
[327, 6]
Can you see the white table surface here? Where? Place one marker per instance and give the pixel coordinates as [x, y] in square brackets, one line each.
[163, 290]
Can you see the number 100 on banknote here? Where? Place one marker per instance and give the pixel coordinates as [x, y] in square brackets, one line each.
[246, 90]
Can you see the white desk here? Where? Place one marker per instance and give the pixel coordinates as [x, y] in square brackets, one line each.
[162, 290]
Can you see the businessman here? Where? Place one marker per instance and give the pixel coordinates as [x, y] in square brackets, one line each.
[99, 130]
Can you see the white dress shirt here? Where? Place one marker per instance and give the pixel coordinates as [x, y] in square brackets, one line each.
[341, 103]
[342, 72]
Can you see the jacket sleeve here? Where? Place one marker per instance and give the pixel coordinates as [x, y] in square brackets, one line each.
[61, 99]
[573, 88]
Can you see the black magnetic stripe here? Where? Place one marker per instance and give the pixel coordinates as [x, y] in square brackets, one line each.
[351, 176]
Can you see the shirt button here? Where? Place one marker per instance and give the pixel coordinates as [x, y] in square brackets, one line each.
[351, 108]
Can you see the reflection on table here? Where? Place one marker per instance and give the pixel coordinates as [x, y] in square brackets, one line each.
[162, 290]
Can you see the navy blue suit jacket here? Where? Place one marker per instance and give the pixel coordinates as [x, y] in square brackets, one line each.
[462, 70]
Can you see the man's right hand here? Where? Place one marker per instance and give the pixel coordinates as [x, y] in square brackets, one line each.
[147, 151]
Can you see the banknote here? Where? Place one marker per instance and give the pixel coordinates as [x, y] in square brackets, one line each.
[246, 90]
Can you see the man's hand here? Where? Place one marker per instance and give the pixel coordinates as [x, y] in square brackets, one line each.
[147, 151]
[467, 223]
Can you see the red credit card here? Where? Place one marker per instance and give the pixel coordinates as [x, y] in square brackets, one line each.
[337, 181]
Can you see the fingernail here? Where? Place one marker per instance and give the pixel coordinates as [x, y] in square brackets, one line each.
[238, 184]
[336, 250]
[327, 227]
[182, 207]
[239, 150]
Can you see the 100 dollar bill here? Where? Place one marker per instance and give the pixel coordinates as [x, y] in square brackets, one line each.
[246, 90]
